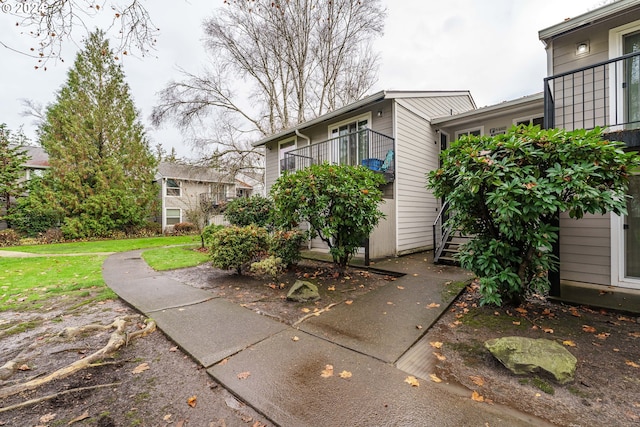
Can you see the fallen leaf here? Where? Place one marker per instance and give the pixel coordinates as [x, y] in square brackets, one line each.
[574, 312]
[548, 330]
[477, 397]
[174, 348]
[569, 343]
[418, 326]
[243, 375]
[521, 310]
[588, 329]
[166, 417]
[632, 364]
[331, 288]
[413, 381]
[327, 371]
[24, 367]
[603, 335]
[477, 380]
[516, 323]
[634, 334]
[435, 344]
[79, 418]
[47, 417]
[348, 302]
[433, 305]
[400, 287]
[140, 368]
[295, 338]
[223, 362]
[389, 303]
[435, 378]
[192, 401]
[415, 274]
[439, 356]
[345, 374]
[305, 310]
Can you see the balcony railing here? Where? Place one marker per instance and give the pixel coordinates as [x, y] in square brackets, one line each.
[606, 94]
[365, 147]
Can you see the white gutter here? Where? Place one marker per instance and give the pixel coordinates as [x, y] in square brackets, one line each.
[303, 137]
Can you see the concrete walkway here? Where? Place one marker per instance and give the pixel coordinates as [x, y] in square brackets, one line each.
[277, 369]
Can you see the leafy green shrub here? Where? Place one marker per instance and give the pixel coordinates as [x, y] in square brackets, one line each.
[508, 191]
[208, 232]
[30, 215]
[270, 266]
[236, 247]
[285, 245]
[9, 237]
[249, 210]
[339, 202]
[183, 228]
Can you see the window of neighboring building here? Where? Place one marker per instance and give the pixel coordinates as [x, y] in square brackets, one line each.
[173, 216]
[173, 187]
[473, 131]
[533, 120]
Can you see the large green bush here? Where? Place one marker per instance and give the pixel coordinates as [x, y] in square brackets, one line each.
[285, 245]
[340, 202]
[237, 247]
[31, 215]
[249, 210]
[508, 191]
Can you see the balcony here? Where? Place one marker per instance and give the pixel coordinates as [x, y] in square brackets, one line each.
[606, 94]
[365, 147]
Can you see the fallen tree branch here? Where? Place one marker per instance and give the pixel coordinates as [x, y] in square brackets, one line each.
[313, 314]
[53, 396]
[118, 339]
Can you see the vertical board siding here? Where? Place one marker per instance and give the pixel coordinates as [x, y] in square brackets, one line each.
[585, 249]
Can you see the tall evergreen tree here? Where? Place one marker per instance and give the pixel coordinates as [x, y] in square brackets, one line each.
[102, 167]
[12, 158]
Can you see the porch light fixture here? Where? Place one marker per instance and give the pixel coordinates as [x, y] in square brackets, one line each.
[379, 113]
[582, 48]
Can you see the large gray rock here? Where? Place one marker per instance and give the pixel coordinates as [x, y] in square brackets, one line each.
[526, 355]
[302, 291]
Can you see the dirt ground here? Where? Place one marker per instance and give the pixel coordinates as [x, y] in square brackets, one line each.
[172, 390]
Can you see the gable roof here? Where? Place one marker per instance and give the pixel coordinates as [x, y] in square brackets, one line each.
[195, 173]
[38, 158]
[371, 99]
[588, 18]
[513, 106]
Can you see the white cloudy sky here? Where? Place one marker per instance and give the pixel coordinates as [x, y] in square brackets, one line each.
[489, 47]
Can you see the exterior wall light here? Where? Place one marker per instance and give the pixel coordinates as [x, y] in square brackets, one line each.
[582, 48]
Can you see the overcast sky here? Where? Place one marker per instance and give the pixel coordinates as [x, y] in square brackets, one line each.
[489, 47]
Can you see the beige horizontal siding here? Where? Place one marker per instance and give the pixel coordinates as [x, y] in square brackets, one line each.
[585, 249]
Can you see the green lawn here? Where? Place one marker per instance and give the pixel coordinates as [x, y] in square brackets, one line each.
[161, 259]
[26, 283]
[106, 245]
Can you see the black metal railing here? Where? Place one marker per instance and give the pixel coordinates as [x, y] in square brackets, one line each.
[606, 94]
[365, 147]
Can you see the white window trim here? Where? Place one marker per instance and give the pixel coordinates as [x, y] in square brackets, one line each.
[616, 48]
[280, 152]
[166, 224]
[466, 131]
[366, 116]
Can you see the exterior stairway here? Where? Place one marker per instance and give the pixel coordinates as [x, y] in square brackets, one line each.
[445, 254]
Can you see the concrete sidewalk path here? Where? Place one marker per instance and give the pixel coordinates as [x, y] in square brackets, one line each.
[278, 369]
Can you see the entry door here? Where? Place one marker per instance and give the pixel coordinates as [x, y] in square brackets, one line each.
[631, 231]
[353, 144]
[631, 87]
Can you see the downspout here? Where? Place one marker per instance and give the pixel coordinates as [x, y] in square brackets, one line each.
[308, 143]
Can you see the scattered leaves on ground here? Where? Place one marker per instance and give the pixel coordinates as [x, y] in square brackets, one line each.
[345, 374]
[47, 417]
[295, 338]
[477, 397]
[413, 381]
[244, 375]
[439, 356]
[433, 305]
[192, 401]
[435, 344]
[632, 364]
[173, 349]
[140, 368]
[400, 287]
[327, 371]
[348, 302]
[588, 329]
[568, 343]
[477, 380]
[435, 378]
[305, 310]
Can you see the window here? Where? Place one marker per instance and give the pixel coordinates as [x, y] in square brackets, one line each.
[173, 216]
[473, 131]
[351, 141]
[287, 163]
[173, 187]
[533, 120]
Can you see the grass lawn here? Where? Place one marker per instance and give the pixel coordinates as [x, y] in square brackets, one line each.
[26, 283]
[106, 245]
[161, 259]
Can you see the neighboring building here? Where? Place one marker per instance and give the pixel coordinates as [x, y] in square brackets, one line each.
[594, 68]
[185, 188]
[392, 133]
[36, 165]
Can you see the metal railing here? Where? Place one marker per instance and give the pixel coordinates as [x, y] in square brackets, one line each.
[606, 94]
[440, 232]
[365, 147]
